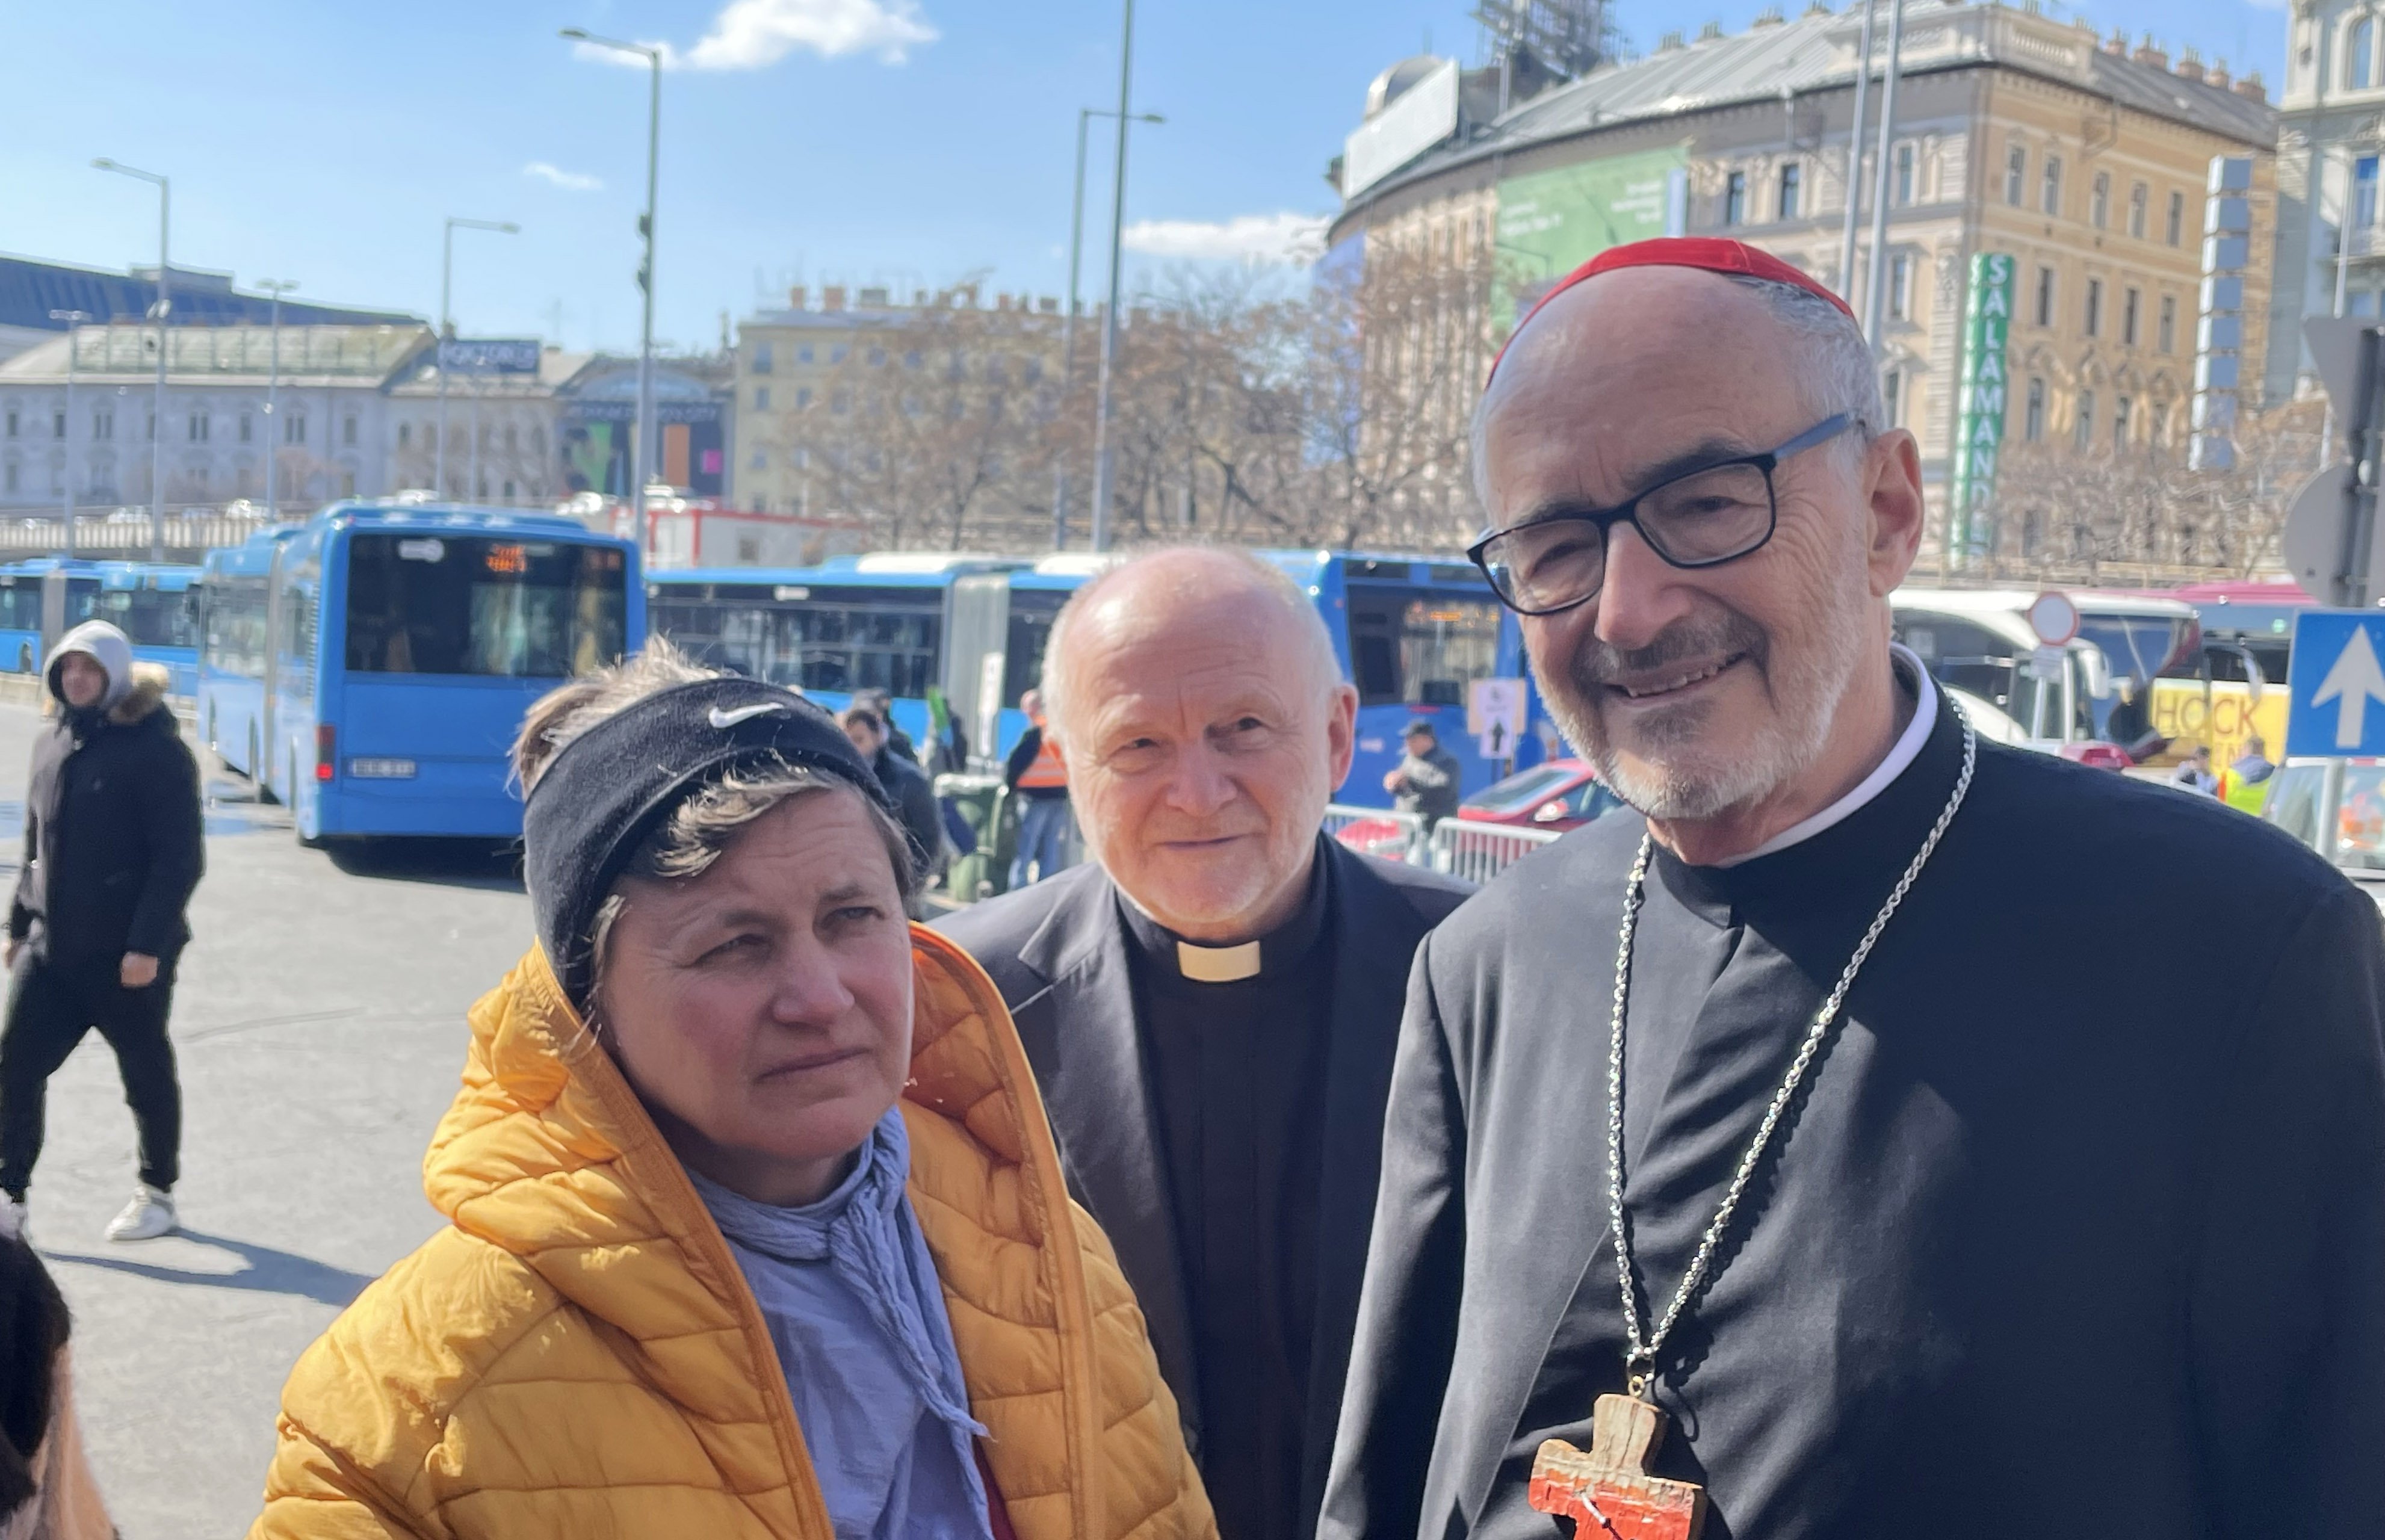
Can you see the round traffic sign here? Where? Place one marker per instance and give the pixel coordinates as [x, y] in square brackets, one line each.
[2055, 619]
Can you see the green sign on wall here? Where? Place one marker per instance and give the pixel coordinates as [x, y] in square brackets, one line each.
[1551, 222]
[1983, 389]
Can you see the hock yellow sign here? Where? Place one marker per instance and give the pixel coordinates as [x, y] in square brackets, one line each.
[2222, 714]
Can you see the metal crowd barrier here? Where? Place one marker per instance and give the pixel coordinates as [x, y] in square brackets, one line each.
[1377, 832]
[1479, 852]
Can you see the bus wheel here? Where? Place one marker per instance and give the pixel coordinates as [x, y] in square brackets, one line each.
[306, 842]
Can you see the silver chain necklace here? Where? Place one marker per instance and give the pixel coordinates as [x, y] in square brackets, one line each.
[1640, 1355]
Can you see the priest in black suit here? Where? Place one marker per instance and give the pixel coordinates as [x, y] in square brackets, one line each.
[1212, 1006]
[1956, 1188]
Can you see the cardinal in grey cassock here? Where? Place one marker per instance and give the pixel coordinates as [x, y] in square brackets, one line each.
[1212, 1006]
[2000, 1144]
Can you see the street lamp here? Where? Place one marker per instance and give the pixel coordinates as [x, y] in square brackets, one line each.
[1068, 319]
[643, 451]
[277, 288]
[447, 326]
[1101, 517]
[73, 318]
[163, 307]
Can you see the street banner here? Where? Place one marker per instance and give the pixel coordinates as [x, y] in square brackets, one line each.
[1982, 390]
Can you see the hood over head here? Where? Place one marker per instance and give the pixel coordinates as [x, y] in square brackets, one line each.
[104, 645]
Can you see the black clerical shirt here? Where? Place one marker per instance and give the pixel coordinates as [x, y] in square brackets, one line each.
[2076, 1230]
[1238, 1073]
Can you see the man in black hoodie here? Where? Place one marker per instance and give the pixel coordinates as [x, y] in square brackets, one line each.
[113, 849]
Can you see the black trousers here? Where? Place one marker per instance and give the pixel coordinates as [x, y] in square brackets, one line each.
[50, 1008]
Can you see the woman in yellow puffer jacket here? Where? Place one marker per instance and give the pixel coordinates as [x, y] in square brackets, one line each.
[757, 1228]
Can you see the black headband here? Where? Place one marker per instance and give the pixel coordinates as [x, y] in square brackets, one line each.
[607, 790]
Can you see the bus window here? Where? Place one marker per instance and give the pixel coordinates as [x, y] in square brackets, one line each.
[1421, 649]
[20, 604]
[151, 617]
[500, 608]
[1032, 614]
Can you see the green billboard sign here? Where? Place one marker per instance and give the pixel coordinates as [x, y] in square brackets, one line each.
[1982, 390]
[1551, 222]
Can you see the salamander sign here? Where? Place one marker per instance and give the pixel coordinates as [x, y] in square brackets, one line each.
[1979, 409]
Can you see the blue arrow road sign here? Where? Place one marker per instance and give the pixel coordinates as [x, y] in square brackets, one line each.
[2337, 686]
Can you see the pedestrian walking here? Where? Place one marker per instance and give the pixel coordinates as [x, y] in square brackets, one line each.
[1212, 1004]
[757, 1228]
[2193, 773]
[114, 847]
[1424, 780]
[906, 786]
[1738, 1168]
[881, 703]
[1038, 776]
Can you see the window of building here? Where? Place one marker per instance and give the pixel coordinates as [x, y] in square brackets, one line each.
[2099, 200]
[1905, 178]
[12, 424]
[761, 461]
[153, 427]
[2094, 308]
[2049, 190]
[2016, 174]
[58, 424]
[2120, 423]
[1734, 198]
[2364, 193]
[197, 430]
[1900, 286]
[404, 432]
[1792, 190]
[248, 429]
[2177, 215]
[804, 353]
[2045, 297]
[103, 425]
[877, 356]
[2082, 427]
[293, 428]
[8, 477]
[2128, 302]
[840, 402]
[2033, 425]
[761, 398]
[2360, 56]
[762, 357]
[2167, 335]
[2139, 197]
[348, 430]
[1891, 396]
[803, 396]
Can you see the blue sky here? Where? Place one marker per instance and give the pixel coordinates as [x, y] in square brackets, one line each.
[904, 141]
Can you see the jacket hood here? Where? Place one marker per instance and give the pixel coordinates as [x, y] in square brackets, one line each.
[109, 647]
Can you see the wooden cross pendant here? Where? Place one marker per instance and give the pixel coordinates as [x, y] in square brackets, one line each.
[1608, 1493]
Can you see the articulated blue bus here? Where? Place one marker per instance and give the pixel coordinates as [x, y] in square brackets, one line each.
[152, 603]
[391, 653]
[1411, 632]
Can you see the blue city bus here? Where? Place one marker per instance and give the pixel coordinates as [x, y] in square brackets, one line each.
[401, 645]
[1411, 632]
[152, 603]
[230, 694]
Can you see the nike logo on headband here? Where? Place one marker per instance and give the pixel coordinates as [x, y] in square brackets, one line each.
[727, 720]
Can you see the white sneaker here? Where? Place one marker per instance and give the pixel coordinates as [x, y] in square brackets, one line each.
[13, 1217]
[148, 1216]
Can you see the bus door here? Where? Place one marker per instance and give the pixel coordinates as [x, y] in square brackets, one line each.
[54, 622]
[977, 635]
[1413, 652]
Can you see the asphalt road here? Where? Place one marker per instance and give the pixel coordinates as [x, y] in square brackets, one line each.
[319, 1026]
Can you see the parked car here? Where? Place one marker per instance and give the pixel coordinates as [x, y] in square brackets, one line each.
[1556, 794]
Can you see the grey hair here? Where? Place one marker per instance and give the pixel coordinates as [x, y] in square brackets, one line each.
[704, 825]
[1841, 373]
[1252, 571]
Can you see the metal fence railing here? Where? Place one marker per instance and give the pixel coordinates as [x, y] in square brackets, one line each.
[1377, 832]
[1479, 852]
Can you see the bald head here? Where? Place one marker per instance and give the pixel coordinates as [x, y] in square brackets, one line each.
[1199, 705]
[1181, 595]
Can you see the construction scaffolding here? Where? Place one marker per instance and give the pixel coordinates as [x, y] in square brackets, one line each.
[1568, 37]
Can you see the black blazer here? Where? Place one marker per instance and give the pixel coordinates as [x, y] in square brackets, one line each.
[1058, 951]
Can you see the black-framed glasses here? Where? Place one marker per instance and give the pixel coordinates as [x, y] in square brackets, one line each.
[1701, 517]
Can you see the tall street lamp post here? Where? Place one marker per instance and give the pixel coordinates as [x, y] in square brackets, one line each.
[277, 288]
[1101, 517]
[164, 309]
[66, 475]
[1068, 319]
[642, 453]
[447, 326]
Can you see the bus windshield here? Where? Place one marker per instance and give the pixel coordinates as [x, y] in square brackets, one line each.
[1421, 649]
[426, 604]
[151, 617]
[2136, 647]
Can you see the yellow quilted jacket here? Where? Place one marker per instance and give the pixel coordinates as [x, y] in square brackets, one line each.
[578, 1356]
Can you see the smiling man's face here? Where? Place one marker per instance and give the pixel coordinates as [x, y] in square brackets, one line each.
[1206, 747]
[1701, 691]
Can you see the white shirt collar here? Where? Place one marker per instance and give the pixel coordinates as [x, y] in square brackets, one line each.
[1906, 748]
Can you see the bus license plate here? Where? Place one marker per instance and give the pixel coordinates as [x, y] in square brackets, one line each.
[381, 769]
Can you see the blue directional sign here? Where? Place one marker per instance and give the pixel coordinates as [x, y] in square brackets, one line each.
[2336, 687]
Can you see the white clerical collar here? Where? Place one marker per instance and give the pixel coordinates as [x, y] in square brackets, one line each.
[1218, 964]
[1906, 749]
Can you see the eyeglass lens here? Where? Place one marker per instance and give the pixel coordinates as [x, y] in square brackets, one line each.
[1703, 519]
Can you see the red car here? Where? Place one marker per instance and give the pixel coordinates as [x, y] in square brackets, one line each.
[1558, 794]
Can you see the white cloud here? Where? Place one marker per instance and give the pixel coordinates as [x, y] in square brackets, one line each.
[570, 182]
[1244, 238]
[755, 35]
